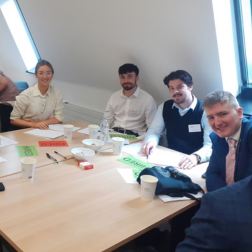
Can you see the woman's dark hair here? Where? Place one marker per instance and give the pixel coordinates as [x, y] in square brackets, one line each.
[179, 74]
[43, 63]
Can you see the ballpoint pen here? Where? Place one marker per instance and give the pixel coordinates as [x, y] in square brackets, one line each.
[49, 156]
[60, 154]
[148, 154]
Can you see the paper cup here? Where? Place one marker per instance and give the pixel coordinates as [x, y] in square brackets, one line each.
[117, 145]
[148, 187]
[93, 131]
[28, 168]
[68, 131]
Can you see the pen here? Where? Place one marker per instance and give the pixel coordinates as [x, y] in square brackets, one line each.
[49, 156]
[60, 154]
[148, 154]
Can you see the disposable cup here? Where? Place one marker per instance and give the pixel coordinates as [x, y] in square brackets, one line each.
[93, 131]
[28, 168]
[117, 145]
[68, 131]
[148, 187]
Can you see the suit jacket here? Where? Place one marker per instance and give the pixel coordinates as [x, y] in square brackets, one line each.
[216, 172]
[223, 222]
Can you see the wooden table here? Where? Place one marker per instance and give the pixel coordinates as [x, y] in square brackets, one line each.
[10, 153]
[69, 209]
[13, 160]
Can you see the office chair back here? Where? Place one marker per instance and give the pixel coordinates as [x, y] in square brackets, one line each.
[5, 111]
[22, 85]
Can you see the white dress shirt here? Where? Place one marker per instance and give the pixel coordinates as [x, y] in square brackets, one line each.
[32, 104]
[133, 113]
[158, 126]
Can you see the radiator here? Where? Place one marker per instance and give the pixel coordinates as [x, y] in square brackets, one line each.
[76, 113]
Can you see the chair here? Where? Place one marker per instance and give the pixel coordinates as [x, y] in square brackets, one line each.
[22, 85]
[5, 111]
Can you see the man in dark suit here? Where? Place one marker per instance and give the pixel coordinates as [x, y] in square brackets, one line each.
[231, 158]
[224, 221]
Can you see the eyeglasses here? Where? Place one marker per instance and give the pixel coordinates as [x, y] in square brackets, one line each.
[48, 74]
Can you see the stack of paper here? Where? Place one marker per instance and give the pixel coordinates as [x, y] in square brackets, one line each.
[45, 133]
[60, 127]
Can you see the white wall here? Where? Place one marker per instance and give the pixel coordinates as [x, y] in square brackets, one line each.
[86, 41]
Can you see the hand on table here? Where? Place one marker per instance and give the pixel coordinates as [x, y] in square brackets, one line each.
[40, 125]
[188, 161]
[148, 148]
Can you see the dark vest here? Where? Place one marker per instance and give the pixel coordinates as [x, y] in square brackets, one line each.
[178, 136]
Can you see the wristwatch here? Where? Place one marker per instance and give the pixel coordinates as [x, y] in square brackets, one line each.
[199, 158]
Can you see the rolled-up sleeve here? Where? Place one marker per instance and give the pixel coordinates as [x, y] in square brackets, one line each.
[21, 104]
[109, 112]
[59, 107]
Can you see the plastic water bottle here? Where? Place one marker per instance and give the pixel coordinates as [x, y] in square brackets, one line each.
[101, 125]
[104, 129]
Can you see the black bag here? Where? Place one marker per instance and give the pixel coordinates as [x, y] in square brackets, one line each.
[171, 182]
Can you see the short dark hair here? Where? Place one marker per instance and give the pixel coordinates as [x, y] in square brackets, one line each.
[43, 63]
[128, 68]
[179, 74]
[220, 97]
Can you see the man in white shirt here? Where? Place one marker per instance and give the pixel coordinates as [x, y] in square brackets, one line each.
[131, 109]
[186, 125]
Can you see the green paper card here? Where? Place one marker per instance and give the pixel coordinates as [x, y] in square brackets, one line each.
[134, 162]
[129, 137]
[27, 151]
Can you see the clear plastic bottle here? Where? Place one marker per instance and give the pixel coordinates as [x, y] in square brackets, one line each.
[104, 129]
[101, 125]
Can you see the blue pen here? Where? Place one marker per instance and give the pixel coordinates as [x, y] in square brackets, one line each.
[149, 154]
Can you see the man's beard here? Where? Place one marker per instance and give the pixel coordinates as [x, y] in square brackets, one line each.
[128, 87]
[178, 102]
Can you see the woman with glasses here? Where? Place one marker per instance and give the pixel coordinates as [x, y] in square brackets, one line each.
[40, 105]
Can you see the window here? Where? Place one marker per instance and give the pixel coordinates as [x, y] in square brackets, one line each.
[222, 10]
[21, 34]
[244, 36]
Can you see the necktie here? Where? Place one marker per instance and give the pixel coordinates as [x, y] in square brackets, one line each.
[230, 161]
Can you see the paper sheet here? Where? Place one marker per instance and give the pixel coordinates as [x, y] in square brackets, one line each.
[165, 158]
[166, 198]
[86, 131]
[125, 136]
[6, 141]
[134, 149]
[53, 143]
[27, 151]
[134, 162]
[59, 127]
[45, 133]
[2, 160]
[127, 175]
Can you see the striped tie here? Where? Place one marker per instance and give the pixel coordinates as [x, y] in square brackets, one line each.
[230, 161]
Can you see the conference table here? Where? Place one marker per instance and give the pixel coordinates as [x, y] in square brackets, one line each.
[66, 208]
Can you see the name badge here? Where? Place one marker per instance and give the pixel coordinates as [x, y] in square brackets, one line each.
[194, 128]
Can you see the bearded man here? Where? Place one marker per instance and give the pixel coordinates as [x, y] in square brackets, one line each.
[131, 109]
[185, 122]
